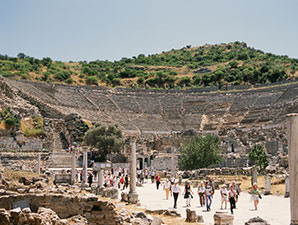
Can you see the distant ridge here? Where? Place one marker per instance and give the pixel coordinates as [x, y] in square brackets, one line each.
[219, 65]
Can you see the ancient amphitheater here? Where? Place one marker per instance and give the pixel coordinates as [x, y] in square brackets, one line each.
[166, 118]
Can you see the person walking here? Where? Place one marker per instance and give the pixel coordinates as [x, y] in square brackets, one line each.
[208, 195]
[237, 190]
[201, 193]
[176, 192]
[187, 194]
[90, 179]
[157, 180]
[166, 188]
[232, 200]
[224, 196]
[255, 195]
[125, 182]
[152, 174]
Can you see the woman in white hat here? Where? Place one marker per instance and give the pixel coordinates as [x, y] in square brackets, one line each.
[224, 196]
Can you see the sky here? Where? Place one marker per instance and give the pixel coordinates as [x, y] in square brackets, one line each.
[77, 30]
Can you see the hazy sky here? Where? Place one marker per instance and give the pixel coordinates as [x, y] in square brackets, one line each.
[111, 29]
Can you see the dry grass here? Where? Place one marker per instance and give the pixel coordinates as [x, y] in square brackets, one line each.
[2, 125]
[15, 175]
[277, 184]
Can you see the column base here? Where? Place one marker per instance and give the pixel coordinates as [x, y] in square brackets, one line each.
[267, 193]
[287, 194]
[133, 198]
[294, 222]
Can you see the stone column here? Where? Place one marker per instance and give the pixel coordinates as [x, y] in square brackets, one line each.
[292, 120]
[100, 177]
[38, 163]
[133, 196]
[287, 187]
[73, 168]
[254, 173]
[268, 185]
[85, 166]
[173, 162]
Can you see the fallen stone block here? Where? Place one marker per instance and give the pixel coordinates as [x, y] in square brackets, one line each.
[256, 221]
[221, 218]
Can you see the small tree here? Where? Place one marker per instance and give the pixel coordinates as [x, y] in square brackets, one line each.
[106, 139]
[258, 157]
[200, 152]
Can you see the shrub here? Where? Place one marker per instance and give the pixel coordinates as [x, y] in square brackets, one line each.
[91, 80]
[33, 132]
[63, 75]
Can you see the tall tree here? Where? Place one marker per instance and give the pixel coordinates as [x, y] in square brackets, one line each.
[200, 152]
[106, 138]
[258, 157]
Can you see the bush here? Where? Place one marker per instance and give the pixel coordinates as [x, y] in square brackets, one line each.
[33, 132]
[45, 76]
[91, 80]
[184, 82]
[7, 74]
[63, 75]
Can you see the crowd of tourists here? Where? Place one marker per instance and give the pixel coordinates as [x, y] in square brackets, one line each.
[206, 191]
[119, 178]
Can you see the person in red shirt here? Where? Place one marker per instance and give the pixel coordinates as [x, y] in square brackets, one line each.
[157, 179]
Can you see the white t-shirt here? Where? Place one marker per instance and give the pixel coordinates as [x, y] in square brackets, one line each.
[201, 189]
[208, 190]
[232, 193]
[167, 185]
[175, 189]
[223, 191]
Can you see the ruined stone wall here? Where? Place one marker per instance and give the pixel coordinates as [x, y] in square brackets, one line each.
[95, 211]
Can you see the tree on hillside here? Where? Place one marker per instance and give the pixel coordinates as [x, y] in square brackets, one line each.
[258, 157]
[200, 152]
[106, 138]
[21, 55]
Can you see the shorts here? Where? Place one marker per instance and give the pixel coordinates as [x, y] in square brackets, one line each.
[224, 198]
[255, 197]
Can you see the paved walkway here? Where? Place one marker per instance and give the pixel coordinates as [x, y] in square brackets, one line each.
[274, 209]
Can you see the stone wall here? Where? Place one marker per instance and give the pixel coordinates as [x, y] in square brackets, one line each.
[96, 211]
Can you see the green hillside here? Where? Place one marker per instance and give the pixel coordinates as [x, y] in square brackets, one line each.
[208, 65]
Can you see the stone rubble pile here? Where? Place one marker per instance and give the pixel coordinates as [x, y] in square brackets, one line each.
[43, 216]
[256, 221]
